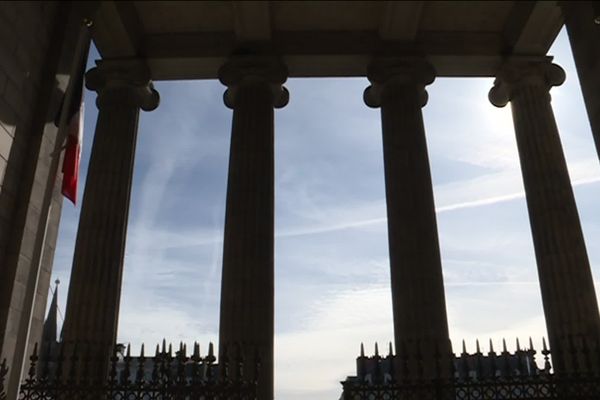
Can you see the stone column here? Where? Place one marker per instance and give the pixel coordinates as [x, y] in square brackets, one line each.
[419, 307]
[582, 19]
[95, 287]
[567, 288]
[247, 291]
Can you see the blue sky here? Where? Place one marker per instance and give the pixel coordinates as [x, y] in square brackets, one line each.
[331, 255]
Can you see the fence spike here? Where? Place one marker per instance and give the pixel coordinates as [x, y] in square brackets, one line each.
[141, 366]
[477, 348]
[464, 363]
[164, 346]
[519, 356]
[34, 355]
[210, 358]
[376, 350]
[362, 349]
[156, 362]
[166, 363]
[126, 372]
[506, 370]
[464, 347]
[532, 352]
[180, 360]
[390, 350]
[34, 358]
[492, 358]
[196, 356]
[478, 364]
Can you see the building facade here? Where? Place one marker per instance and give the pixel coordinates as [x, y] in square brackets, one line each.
[252, 47]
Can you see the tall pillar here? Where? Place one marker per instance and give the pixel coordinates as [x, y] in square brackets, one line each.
[582, 19]
[95, 287]
[419, 307]
[247, 291]
[565, 277]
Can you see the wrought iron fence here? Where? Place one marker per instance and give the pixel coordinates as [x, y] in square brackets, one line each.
[541, 387]
[478, 376]
[165, 376]
[3, 373]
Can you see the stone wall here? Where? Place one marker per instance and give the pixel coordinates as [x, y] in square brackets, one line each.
[34, 59]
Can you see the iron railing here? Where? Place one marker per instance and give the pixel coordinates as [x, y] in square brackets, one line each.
[3, 373]
[478, 376]
[494, 376]
[57, 376]
[541, 387]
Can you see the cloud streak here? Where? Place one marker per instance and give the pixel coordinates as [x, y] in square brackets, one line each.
[443, 209]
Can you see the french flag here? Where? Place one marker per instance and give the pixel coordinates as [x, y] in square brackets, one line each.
[70, 119]
[70, 167]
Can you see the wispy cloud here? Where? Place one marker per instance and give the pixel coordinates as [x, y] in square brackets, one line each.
[481, 202]
[332, 267]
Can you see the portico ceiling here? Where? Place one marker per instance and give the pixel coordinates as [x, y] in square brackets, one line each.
[192, 39]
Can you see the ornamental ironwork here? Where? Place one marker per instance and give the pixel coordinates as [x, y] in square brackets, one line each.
[479, 376]
[164, 376]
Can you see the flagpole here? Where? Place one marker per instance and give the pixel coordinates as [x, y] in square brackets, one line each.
[79, 57]
[81, 51]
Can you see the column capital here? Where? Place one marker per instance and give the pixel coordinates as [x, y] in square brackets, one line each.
[122, 81]
[387, 72]
[249, 70]
[519, 72]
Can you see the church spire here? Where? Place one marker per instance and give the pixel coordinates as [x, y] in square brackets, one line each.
[50, 325]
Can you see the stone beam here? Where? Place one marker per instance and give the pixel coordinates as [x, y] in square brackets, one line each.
[538, 30]
[117, 30]
[400, 20]
[320, 54]
[252, 21]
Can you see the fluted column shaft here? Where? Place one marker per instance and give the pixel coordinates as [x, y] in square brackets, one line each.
[95, 287]
[568, 295]
[419, 308]
[247, 291]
